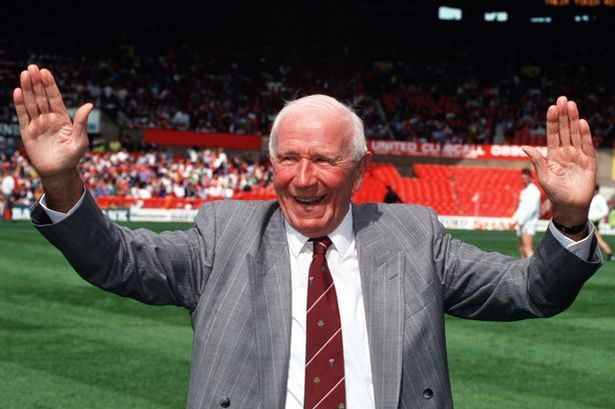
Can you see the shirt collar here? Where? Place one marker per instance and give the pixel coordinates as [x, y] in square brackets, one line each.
[341, 237]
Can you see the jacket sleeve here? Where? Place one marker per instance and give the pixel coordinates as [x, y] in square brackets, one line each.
[492, 286]
[165, 268]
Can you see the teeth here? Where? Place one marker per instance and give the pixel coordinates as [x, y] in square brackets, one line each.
[308, 201]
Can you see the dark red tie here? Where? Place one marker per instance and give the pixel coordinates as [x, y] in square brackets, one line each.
[324, 354]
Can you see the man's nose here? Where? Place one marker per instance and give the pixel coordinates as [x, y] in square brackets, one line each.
[305, 173]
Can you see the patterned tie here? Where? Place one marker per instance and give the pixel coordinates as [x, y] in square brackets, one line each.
[324, 355]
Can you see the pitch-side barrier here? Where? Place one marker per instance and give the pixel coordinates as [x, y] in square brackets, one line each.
[137, 214]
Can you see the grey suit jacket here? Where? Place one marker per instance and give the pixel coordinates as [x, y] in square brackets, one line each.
[232, 272]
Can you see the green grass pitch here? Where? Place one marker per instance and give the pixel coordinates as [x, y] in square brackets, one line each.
[65, 344]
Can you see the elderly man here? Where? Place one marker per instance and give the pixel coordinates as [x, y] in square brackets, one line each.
[310, 301]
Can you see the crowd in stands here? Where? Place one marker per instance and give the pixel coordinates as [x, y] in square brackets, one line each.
[27, 186]
[414, 93]
[194, 88]
[188, 174]
[449, 100]
[153, 173]
[443, 92]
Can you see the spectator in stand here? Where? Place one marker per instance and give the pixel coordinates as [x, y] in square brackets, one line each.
[598, 211]
[8, 187]
[526, 214]
[391, 196]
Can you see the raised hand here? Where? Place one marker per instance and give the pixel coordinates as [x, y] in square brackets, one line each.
[568, 173]
[53, 142]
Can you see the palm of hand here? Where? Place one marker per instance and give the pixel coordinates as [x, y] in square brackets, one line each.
[52, 145]
[569, 179]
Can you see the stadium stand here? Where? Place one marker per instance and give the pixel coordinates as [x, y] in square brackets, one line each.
[416, 93]
[188, 178]
[449, 190]
[436, 91]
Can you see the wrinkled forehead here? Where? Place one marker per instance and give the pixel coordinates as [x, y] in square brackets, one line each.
[315, 125]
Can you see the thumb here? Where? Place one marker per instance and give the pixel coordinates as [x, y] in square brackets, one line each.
[80, 124]
[540, 164]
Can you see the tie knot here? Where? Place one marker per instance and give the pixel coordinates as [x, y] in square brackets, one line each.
[321, 244]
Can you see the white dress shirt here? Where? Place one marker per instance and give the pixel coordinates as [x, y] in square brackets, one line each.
[344, 266]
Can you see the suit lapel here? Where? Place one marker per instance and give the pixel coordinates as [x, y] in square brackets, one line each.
[271, 289]
[381, 263]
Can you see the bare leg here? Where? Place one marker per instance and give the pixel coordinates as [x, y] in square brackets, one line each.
[527, 245]
[604, 246]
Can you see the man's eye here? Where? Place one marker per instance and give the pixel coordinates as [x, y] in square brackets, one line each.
[320, 159]
[287, 159]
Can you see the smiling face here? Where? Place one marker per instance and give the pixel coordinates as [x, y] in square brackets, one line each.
[314, 173]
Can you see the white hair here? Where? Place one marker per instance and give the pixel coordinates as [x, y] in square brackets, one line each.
[324, 104]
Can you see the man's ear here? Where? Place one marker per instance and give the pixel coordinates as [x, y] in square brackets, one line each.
[361, 168]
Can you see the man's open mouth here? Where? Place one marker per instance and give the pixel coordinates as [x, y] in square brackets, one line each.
[308, 200]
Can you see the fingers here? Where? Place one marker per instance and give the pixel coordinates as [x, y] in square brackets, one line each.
[563, 121]
[80, 124]
[56, 103]
[573, 115]
[552, 128]
[39, 91]
[28, 95]
[586, 139]
[563, 125]
[22, 113]
[540, 164]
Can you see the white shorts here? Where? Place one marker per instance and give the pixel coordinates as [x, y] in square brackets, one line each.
[528, 228]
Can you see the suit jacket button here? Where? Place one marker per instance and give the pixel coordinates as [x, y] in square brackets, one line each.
[428, 393]
[225, 402]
